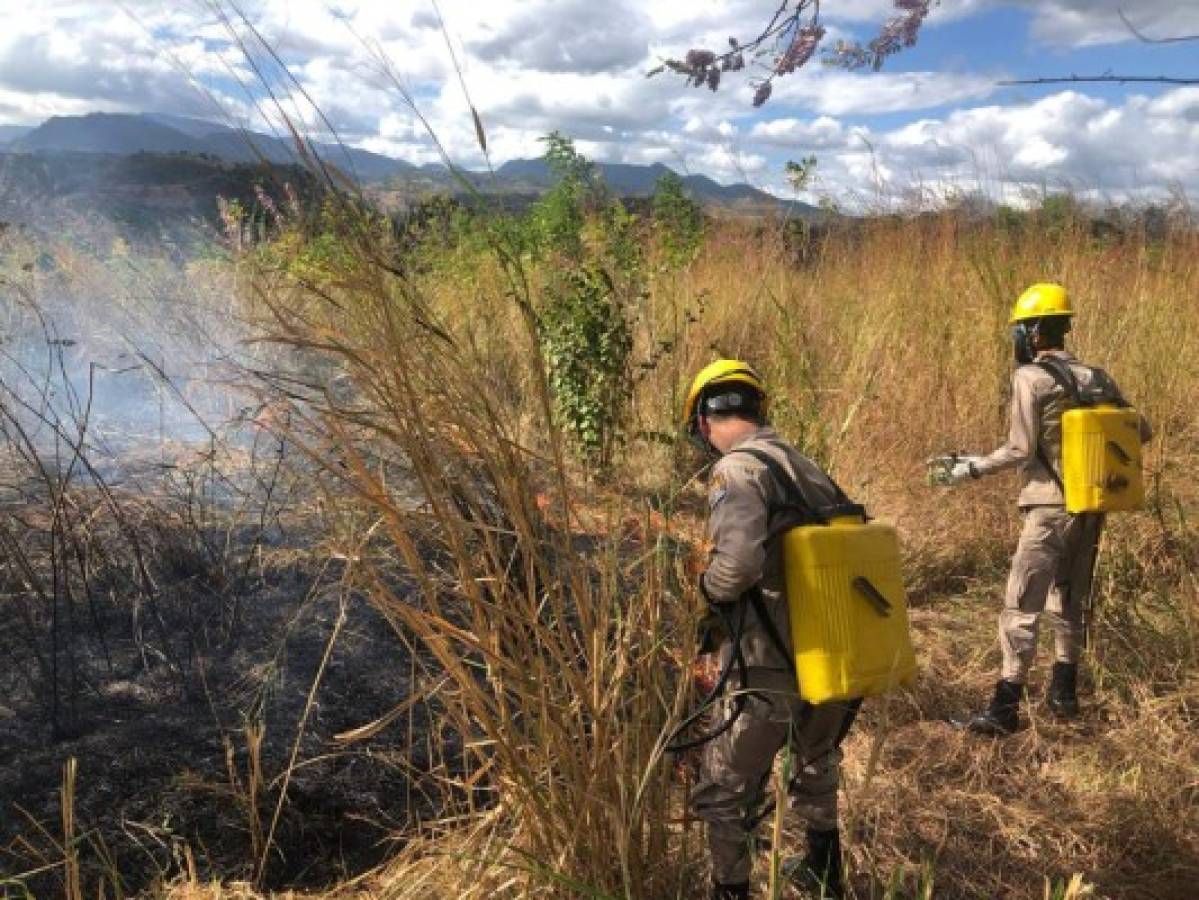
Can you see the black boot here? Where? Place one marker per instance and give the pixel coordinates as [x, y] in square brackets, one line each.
[731, 891]
[820, 871]
[1063, 690]
[1001, 718]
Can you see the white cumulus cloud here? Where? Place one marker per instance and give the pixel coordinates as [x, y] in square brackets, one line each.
[844, 93]
[1083, 22]
[1066, 140]
[579, 66]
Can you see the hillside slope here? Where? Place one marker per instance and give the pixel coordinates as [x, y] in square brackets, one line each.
[108, 133]
[142, 195]
[158, 133]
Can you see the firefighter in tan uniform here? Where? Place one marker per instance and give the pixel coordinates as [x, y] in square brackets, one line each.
[1054, 561]
[725, 412]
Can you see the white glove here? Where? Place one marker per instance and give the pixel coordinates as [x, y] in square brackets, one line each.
[963, 469]
[951, 469]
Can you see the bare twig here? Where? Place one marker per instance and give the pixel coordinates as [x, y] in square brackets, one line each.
[1140, 36]
[1112, 79]
[1109, 78]
[265, 848]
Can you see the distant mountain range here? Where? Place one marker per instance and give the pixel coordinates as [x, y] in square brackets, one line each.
[639, 181]
[160, 133]
[166, 198]
[9, 132]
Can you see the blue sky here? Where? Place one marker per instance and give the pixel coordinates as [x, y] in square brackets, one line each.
[935, 121]
[1000, 41]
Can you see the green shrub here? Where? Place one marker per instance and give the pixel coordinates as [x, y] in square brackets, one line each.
[678, 222]
[591, 246]
[587, 341]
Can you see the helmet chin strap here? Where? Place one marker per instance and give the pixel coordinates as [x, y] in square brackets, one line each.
[1023, 338]
[695, 436]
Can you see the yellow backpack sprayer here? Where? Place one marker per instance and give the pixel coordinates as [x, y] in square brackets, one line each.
[845, 596]
[1101, 445]
[846, 603]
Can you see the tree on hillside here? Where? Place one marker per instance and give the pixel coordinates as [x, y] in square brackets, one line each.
[678, 221]
[790, 39]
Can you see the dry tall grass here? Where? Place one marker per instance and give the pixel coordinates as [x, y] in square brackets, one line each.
[547, 631]
[556, 609]
[552, 609]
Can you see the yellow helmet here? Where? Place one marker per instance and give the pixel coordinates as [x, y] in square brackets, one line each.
[1044, 299]
[723, 371]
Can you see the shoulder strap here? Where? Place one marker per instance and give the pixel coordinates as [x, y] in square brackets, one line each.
[1101, 390]
[798, 508]
[1043, 458]
[1059, 370]
[1111, 389]
[759, 604]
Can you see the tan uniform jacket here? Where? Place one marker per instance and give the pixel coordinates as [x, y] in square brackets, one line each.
[740, 492]
[1036, 418]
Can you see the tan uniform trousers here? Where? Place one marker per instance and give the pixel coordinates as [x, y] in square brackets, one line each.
[736, 766]
[1051, 574]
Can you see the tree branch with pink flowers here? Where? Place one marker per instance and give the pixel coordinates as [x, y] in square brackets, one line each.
[790, 40]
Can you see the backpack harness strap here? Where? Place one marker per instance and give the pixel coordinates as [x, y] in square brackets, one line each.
[796, 510]
[1061, 372]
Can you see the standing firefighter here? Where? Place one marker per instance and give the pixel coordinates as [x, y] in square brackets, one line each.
[1054, 562]
[725, 412]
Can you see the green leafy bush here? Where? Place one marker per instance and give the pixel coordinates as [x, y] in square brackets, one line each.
[559, 216]
[587, 341]
[591, 246]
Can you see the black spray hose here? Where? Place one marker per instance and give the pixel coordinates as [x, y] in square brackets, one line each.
[737, 658]
[1088, 601]
[851, 713]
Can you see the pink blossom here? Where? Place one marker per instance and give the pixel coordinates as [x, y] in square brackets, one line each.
[800, 50]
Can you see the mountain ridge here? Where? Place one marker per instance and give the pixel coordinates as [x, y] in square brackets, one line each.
[125, 134]
[12, 132]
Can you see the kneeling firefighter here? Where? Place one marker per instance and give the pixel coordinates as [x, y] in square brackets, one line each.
[725, 413]
[1078, 448]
